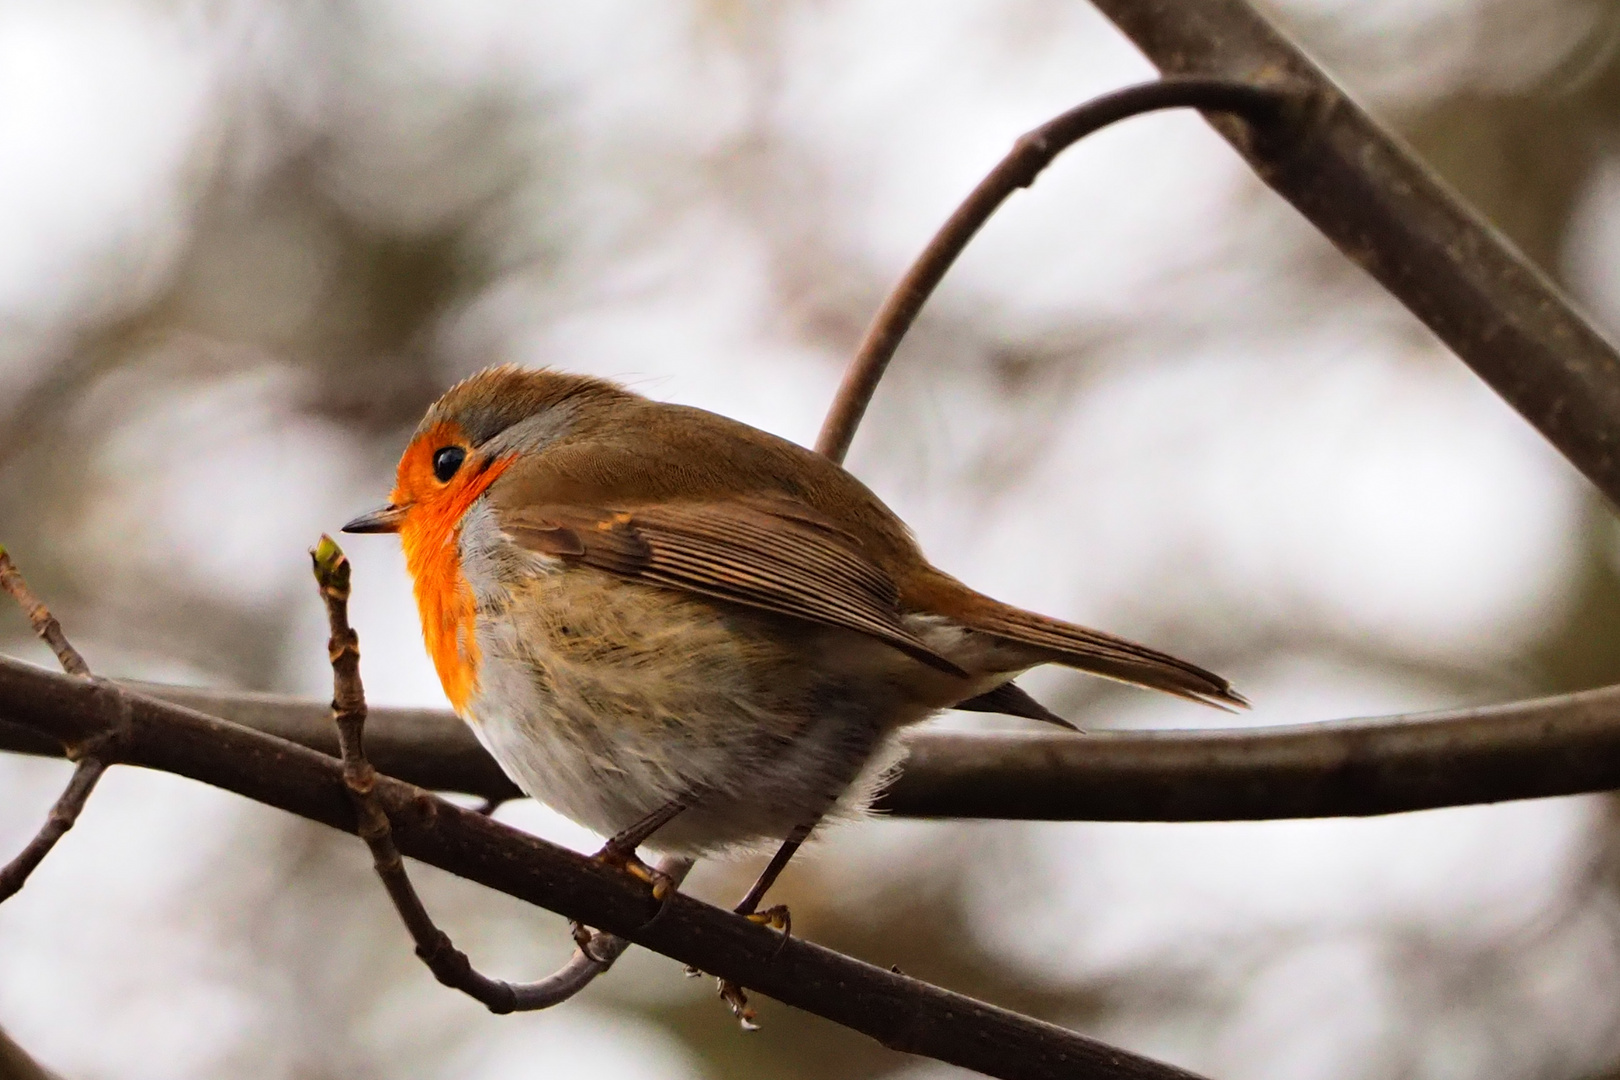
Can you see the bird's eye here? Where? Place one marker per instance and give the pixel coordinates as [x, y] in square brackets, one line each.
[446, 460]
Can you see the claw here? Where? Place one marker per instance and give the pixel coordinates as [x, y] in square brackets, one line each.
[584, 940]
[663, 886]
[777, 918]
[733, 996]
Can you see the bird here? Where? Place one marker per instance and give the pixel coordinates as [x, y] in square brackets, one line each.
[683, 632]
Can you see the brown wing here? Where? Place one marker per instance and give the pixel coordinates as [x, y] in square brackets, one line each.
[757, 552]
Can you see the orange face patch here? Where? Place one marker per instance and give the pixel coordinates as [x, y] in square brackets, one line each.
[431, 535]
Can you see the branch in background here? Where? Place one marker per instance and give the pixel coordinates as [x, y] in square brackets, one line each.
[1567, 744]
[15, 873]
[596, 952]
[903, 1013]
[15, 1064]
[1255, 102]
[1390, 214]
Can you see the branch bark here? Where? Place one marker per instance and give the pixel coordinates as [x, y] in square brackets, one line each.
[903, 1013]
[1567, 744]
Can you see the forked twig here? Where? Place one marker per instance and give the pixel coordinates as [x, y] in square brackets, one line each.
[596, 951]
[1032, 153]
[92, 758]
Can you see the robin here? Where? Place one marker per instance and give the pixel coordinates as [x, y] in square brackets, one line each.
[681, 631]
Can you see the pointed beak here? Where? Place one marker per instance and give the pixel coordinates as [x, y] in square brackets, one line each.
[386, 519]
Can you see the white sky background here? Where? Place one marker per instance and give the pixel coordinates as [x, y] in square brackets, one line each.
[1340, 470]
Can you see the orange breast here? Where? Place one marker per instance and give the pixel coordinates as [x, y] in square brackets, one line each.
[431, 538]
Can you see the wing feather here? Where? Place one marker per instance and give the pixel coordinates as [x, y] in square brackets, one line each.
[763, 553]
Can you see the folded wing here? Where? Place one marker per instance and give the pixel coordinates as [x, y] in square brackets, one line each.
[755, 552]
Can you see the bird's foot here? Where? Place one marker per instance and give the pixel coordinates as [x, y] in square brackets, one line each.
[737, 1002]
[626, 859]
[777, 918]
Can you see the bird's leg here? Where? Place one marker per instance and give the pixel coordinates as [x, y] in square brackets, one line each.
[620, 850]
[776, 917]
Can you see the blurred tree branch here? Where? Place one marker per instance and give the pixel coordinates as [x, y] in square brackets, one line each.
[16, 1064]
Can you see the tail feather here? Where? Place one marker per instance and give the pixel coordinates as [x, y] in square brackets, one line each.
[1010, 700]
[1104, 654]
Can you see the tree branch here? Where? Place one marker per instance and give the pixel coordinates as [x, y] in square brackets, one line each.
[90, 754]
[45, 626]
[1256, 102]
[1567, 744]
[596, 952]
[1389, 213]
[903, 1013]
[16, 1064]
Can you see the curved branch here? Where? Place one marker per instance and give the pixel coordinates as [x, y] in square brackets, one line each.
[1562, 745]
[1033, 152]
[596, 952]
[901, 1012]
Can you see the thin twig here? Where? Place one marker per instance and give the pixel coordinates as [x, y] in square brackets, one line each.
[596, 952]
[1032, 153]
[901, 1012]
[40, 617]
[61, 818]
[92, 759]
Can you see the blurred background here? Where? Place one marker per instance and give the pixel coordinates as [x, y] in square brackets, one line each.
[243, 244]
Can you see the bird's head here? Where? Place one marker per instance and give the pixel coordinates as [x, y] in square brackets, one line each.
[470, 435]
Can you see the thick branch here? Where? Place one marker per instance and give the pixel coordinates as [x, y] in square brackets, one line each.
[1391, 214]
[1031, 153]
[900, 1012]
[1562, 745]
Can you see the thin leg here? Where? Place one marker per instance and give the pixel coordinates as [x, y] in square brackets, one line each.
[773, 869]
[620, 850]
[777, 916]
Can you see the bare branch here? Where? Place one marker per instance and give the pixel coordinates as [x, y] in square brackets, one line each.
[16, 1064]
[901, 1012]
[1034, 151]
[1567, 744]
[596, 952]
[1390, 213]
[91, 757]
[61, 818]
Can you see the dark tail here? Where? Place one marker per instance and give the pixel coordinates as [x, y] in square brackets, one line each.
[1093, 651]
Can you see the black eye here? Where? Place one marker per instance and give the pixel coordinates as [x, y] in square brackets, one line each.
[446, 460]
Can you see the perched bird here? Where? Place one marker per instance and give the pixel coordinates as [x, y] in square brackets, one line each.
[677, 629]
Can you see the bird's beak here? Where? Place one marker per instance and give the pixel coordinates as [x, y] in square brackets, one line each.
[385, 519]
